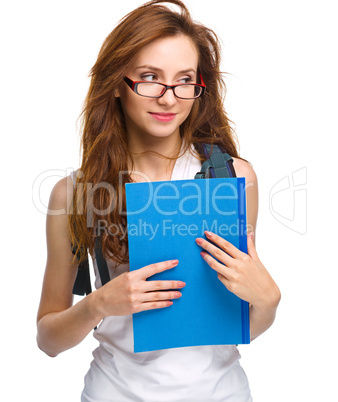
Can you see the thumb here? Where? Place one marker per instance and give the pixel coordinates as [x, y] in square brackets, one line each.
[251, 247]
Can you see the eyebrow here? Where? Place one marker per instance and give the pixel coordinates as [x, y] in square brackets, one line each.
[188, 70]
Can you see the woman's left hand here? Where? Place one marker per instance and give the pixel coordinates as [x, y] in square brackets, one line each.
[242, 274]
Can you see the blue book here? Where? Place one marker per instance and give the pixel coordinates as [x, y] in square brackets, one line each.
[164, 219]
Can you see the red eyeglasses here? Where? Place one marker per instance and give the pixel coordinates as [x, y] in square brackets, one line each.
[156, 89]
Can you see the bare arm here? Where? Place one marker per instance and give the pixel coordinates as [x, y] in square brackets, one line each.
[60, 325]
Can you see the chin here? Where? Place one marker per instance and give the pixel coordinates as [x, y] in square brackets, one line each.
[162, 132]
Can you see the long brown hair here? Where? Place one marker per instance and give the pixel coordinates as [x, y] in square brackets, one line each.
[99, 189]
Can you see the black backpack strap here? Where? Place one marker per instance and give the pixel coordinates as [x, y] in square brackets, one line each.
[218, 163]
[82, 285]
[101, 262]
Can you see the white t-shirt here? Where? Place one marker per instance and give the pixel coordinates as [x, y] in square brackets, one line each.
[189, 374]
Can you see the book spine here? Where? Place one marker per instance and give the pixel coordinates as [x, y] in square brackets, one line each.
[243, 246]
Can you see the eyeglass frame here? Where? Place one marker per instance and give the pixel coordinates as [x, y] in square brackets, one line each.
[134, 84]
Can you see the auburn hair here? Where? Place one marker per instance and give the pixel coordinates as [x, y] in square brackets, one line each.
[99, 190]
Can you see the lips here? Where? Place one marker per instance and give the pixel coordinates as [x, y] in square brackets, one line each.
[163, 116]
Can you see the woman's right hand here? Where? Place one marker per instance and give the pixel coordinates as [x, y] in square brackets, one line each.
[131, 293]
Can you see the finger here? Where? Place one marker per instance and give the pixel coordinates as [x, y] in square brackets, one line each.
[150, 286]
[224, 244]
[216, 266]
[155, 305]
[159, 296]
[153, 269]
[215, 251]
[251, 247]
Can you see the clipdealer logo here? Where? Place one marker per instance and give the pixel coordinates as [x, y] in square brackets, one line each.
[288, 201]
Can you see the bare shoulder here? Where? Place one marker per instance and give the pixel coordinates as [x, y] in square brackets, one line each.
[244, 169]
[59, 208]
[61, 195]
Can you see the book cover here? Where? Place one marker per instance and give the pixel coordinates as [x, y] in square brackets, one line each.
[164, 219]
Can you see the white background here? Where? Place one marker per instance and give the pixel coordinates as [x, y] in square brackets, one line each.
[282, 94]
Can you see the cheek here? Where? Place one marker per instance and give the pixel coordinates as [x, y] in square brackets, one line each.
[187, 109]
[130, 104]
[191, 113]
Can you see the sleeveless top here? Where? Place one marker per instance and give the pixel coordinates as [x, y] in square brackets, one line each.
[189, 374]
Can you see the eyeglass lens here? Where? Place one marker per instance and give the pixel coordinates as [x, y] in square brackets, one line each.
[181, 91]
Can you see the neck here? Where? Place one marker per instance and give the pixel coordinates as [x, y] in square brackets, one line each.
[150, 157]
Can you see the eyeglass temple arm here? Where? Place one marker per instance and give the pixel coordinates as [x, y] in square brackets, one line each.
[129, 82]
[202, 82]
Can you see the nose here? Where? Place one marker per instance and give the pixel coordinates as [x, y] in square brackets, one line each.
[168, 98]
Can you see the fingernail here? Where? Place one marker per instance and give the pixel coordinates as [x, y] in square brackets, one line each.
[174, 262]
[180, 284]
[208, 234]
[199, 241]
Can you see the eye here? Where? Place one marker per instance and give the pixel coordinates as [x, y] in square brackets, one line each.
[186, 80]
[148, 77]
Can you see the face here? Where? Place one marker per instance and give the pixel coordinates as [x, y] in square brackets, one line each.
[169, 61]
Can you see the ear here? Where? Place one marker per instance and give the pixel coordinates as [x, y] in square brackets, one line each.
[117, 92]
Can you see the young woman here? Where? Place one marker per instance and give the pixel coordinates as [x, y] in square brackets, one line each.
[145, 115]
